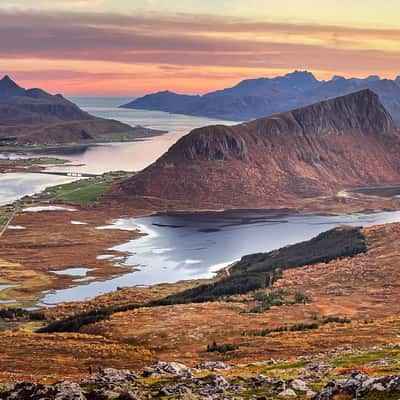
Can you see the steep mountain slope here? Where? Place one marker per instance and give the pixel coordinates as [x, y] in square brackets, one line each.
[255, 98]
[32, 116]
[34, 106]
[316, 150]
[388, 91]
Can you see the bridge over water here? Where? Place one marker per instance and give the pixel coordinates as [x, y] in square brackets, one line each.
[66, 173]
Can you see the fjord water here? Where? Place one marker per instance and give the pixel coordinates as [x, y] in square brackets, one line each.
[131, 156]
[191, 246]
[176, 247]
[128, 156]
[13, 186]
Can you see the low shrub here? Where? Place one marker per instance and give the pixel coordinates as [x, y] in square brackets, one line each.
[224, 348]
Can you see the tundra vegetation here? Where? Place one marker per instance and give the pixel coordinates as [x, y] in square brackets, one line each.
[251, 273]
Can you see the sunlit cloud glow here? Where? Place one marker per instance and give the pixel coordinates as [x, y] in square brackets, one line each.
[78, 51]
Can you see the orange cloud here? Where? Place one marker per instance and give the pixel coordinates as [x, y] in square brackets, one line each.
[110, 53]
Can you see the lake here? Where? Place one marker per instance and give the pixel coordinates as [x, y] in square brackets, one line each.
[191, 246]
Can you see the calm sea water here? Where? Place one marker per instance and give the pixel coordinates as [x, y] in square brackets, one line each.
[132, 156]
[16, 185]
[189, 246]
[108, 157]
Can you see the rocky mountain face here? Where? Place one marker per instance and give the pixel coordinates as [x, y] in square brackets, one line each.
[317, 150]
[32, 116]
[255, 98]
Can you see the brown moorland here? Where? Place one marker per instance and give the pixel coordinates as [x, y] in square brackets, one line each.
[51, 242]
[362, 289]
[360, 294]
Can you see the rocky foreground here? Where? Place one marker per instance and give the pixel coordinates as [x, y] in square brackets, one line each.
[317, 378]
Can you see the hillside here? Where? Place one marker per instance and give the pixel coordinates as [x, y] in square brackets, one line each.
[34, 117]
[255, 98]
[331, 311]
[270, 162]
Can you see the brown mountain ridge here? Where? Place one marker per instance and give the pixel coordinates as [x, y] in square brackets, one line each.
[312, 151]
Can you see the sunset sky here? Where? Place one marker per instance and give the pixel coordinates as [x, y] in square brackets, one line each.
[129, 47]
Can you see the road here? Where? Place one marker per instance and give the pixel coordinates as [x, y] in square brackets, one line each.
[73, 174]
[5, 227]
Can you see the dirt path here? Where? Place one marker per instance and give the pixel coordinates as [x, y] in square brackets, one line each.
[5, 227]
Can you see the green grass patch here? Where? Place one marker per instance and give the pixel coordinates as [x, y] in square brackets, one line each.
[5, 213]
[363, 358]
[33, 161]
[83, 192]
[42, 148]
[285, 366]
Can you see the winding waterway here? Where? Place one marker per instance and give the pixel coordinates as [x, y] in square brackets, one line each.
[131, 156]
[191, 246]
[176, 247]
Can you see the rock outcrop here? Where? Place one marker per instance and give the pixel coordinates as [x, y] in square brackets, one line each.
[109, 384]
[360, 385]
[312, 151]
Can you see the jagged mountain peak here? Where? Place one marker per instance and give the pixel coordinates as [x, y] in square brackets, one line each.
[373, 78]
[258, 97]
[360, 111]
[7, 80]
[316, 150]
[301, 74]
[9, 88]
[338, 78]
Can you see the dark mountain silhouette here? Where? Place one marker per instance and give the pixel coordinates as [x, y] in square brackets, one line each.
[32, 116]
[255, 98]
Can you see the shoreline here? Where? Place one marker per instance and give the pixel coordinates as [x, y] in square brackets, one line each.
[71, 148]
[101, 214]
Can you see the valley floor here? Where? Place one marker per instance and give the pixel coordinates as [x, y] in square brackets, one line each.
[346, 302]
[349, 302]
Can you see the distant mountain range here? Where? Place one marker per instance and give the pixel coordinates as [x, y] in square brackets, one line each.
[34, 117]
[270, 162]
[255, 98]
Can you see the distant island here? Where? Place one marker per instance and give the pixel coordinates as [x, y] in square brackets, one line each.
[35, 118]
[255, 98]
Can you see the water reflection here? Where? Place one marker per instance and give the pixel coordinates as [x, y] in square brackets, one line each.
[132, 156]
[16, 185]
[189, 246]
[109, 157]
